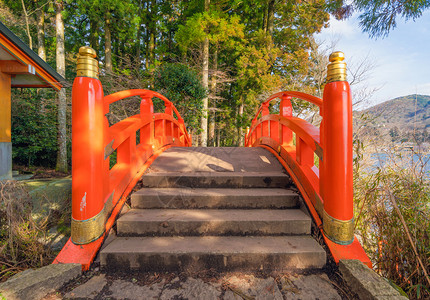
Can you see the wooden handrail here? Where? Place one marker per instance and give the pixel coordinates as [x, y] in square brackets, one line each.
[327, 186]
[98, 189]
[289, 95]
[312, 99]
[112, 98]
[276, 131]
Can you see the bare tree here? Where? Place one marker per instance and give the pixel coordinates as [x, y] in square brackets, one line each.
[30, 41]
[40, 21]
[108, 45]
[62, 100]
[205, 81]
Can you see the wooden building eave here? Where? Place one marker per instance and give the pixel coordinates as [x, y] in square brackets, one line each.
[34, 71]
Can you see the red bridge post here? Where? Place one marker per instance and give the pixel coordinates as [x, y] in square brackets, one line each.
[336, 177]
[98, 191]
[88, 163]
[286, 110]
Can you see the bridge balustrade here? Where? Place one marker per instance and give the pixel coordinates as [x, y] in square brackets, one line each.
[100, 187]
[327, 187]
[100, 190]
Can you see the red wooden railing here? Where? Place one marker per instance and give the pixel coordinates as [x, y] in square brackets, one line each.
[327, 187]
[276, 131]
[98, 191]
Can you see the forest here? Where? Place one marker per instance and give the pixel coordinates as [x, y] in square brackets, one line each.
[216, 60]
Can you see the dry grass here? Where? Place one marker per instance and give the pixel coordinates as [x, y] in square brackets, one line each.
[21, 238]
[393, 219]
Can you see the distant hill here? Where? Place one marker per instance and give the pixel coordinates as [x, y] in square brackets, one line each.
[400, 112]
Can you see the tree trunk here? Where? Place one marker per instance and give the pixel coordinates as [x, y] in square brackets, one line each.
[169, 41]
[116, 46]
[139, 31]
[212, 123]
[147, 48]
[138, 45]
[151, 25]
[41, 34]
[270, 17]
[108, 46]
[30, 41]
[264, 27]
[138, 38]
[151, 47]
[211, 140]
[205, 82]
[94, 41]
[241, 138]
[205, 75]
[62, 101]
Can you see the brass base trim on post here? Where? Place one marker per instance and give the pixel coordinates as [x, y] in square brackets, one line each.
[338, 231]
[87, 231]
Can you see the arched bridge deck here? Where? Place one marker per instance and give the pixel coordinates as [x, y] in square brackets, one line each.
[225, 208]
[214, 208]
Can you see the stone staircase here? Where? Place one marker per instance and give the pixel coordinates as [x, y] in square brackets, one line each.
[214, 208]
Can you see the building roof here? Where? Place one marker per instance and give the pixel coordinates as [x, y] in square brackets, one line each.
[25, 66]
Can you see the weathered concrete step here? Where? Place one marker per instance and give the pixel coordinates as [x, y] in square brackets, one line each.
[168, 222]
[221, 253]
[216, 159]
[217, 180]
[214, 198]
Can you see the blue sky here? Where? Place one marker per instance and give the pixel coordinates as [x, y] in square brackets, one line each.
[402, 60]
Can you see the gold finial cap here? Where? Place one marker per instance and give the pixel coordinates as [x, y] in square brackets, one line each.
[336, 70]
[336, 56]
[87, 51]
[87, 66]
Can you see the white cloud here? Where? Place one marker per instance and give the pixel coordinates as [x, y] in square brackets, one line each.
[402, 61]
[343, 28]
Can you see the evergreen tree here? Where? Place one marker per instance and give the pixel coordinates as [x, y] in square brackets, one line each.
[255, 48]
[378, 18]
[394, 134]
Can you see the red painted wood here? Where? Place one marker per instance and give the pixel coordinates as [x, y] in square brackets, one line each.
[87, 148]
[85, 254]
[337, 174]
[330, 184]
[93, 183]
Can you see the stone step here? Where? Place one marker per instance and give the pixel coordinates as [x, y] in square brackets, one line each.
[216, 159]
[216, 180]
[212, 252]
[169, 222]
[214, 198]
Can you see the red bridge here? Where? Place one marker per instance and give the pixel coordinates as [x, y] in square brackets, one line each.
[227, 208]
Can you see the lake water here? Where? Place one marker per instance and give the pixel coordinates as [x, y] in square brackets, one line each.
[403, 160]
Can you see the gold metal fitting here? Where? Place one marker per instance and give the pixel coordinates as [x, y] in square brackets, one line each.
[87, 231]
[339, 231]
[87, 66]
[336, 70]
